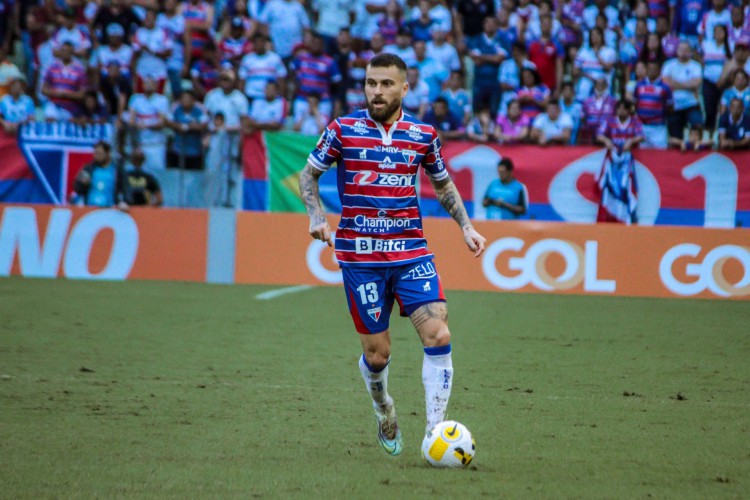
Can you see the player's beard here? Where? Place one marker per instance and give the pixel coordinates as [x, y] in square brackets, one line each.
[382, 114]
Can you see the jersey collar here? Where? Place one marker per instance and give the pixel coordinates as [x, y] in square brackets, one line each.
[386, 136]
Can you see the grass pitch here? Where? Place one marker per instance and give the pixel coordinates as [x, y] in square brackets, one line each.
[146, 389]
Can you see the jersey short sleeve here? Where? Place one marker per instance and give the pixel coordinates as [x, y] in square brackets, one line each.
[328, 150]
[433, 162]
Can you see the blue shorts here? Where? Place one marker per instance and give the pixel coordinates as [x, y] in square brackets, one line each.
[370, 292]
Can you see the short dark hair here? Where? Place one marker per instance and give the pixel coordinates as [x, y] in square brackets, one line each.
[104, 145]
[625, 102]
[386, 61]
[507, 163]
[441, 100]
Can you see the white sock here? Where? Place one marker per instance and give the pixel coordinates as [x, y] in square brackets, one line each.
[376, 383]
[437, 377]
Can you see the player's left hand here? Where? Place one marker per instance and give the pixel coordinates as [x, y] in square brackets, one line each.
[474, 240]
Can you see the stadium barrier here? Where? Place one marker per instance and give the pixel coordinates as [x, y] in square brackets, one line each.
[274, 249]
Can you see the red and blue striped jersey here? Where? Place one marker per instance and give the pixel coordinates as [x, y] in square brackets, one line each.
[381, 223]
[71, 77]
[652, 100]
[618, 132]
[315, 74]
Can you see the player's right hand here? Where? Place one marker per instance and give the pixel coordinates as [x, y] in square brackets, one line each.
[322, 232]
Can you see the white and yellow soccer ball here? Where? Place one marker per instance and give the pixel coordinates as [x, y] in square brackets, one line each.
[449, 444]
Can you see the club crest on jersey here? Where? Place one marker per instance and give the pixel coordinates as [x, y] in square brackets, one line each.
[387, 164]
[374, 313]
[415, 133]
[363, 154]
[360, 127]
[409, 156]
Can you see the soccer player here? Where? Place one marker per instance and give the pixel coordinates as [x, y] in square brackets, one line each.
[379, 242]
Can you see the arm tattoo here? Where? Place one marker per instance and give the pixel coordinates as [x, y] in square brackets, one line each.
[434, 310]
[310, 193]
[448, 196]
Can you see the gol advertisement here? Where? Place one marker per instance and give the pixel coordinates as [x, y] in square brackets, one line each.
[81, 243]
[605, 259]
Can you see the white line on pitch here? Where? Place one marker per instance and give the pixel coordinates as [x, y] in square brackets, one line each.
[272, 294]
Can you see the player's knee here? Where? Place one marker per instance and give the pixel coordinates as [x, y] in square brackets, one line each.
[441, 336]
[377, 359]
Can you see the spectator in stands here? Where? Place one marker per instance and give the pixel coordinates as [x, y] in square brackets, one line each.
[390, 22]
[552, 126]
[315, 73]
[417, 99]
[172, 21]
[487, 55]
[509, 75]
[421, 26]
[470, 16]
[431, 71]
[547, 55]
[204, 74]
[440, 15]
[458, 98]
[16, 108]
[592, 63]
[739, 28]
[734, 127]
[590, 13]
[268, 113]
[330, 17]
[118, 12]
[596, 109]
[740, 60]
[234, 46]
[653, 50]
[512, 127]
[147, 115]
[287, 22]
[189, 121]
[447, 125]
[65, 84]
[740, 90]
[101, 183]
[718, 15]
[640, 13]
[684, 77]
[70, 33]
[622, 132]
[141, 188]
[571, 19]
[714, 52]
[533, 95]
[228, 109]
[443, 52]
[310, 119]
[403, 47]
[505, 198]
[114, 51]
[507, 32]
[260, 67]
[669, 40]
[152, 46]
[573, 108]
[481, 128]
[116, 89]
[8, 72]
[695, 141]
[687, 18]
[93, 109]
[199, 21]
[653, 104]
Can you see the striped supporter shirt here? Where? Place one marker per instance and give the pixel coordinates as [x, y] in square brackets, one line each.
[618, 132]
[652, 100]
[381, 223]
[315, 74]
[71, 77]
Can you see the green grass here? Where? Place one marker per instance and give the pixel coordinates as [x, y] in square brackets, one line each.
[146, 389]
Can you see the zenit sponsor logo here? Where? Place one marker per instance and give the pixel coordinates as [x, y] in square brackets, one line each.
[367, 177]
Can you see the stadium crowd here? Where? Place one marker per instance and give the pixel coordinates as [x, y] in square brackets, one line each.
[182, 80]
